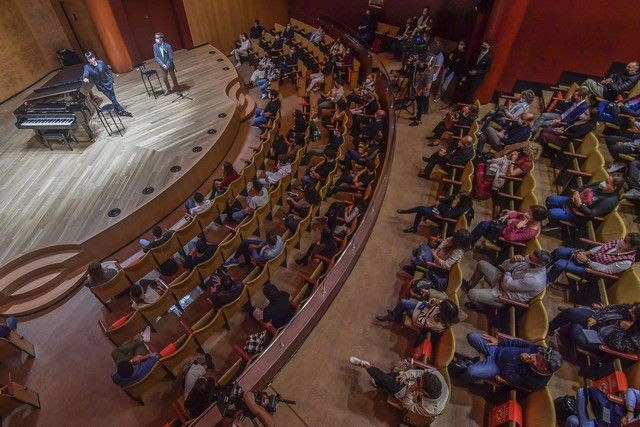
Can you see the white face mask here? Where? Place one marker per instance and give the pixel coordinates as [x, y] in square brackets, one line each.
[603, 185]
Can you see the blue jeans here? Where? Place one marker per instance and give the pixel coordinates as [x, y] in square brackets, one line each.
[405, 306]
[189, 204]
[259, 119]
[11, 322]
[576, 317]
[349, 156]
[263, 84]
[483, 229]
[562, 261]
[309, 181]
[582, 419]
[486, 369]
[447, 77]
[557, 209]
[238, 216]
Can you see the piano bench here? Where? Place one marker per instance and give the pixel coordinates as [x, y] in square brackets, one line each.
[62, 136]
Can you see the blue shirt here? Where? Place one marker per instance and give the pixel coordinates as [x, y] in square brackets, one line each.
[100, 74]
[139, 371]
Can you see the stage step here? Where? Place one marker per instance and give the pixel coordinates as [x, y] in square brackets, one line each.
[33, 304]
[250, 107]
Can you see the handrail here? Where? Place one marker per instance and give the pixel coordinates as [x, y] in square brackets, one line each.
[283, 347]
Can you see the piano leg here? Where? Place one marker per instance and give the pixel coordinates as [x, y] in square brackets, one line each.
[42, 140]
[86, 125]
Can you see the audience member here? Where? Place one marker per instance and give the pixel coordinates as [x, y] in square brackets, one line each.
[421, 391]
[515, 132]
[133, 360]
[222, 288]
[256, 30]
[434, 315]
[203, 251]
[460, 155]
[512, 226]
[278, 311]
[196, 204]
[299, 204]
[562, 135]
[616, 326]
[220, 185]
[606, 411]
[449, 207]
[521, 363]
[593, 200]
[257, 251]
[479, 68]
[259, 198]
[505, 114]
[242, 49]
[570, 112]
[262, 116]
[325, 247]
[9, 324]
[144, 293]
[98, 274]
[615, 84]
[520, 278]
[613, 257]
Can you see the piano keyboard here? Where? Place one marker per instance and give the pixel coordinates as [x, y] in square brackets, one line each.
[50, 123]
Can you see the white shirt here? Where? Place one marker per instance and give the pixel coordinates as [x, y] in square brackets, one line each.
[199, 208]
[260, 199]
[281, 172]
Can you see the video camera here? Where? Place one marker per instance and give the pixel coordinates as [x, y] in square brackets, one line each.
[231, 405]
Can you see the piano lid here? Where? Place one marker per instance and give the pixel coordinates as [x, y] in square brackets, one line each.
[68, 79]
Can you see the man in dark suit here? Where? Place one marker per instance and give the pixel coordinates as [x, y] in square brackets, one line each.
[460, 155]
[517, 131]
[163, 54]
[99, 72]
[479, 68]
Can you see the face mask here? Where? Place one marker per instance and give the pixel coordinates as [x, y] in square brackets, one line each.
[603, 185]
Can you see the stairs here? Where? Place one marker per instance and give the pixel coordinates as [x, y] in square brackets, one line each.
[39, 279]
[246, 104]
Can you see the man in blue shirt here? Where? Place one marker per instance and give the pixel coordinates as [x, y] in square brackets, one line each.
[163, 53]
[133, 362]
[99, 72]
[519, 362]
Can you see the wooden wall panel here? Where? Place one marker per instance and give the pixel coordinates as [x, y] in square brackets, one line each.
[219, 22]
[30, 34]
[85, 31]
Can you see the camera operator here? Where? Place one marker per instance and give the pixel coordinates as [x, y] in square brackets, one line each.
[421, 86]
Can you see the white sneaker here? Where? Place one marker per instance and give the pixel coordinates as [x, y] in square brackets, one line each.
[359, 362]
[146, 334]
[238, 65]
[615, 167]
[263, 97]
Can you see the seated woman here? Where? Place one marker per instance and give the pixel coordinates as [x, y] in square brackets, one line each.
[98, 274]
[491, 175]
[616, 326]
[144, 293]
[196, 204]
[300, 204]
[585, 203]
[512, 226]
[448, 252]
[435, 315]
[562, 136]
[222, 288]
[353, 181]
[282, 169]
[326, 247]
[613, 257]
[242, 49]
[339, 115]
[316, 78]
[448, 207]
[229, 174]
[328, 100]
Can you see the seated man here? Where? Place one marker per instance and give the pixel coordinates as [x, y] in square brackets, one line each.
[618, 145]
[289, 66]
[462, 116]
[372, 130]
[256, 30]
[519, 278]
[615, 84]
[160, 237]
[335, 142]
[351, 181]
[278, 311]
[421, 391]
[276, 47]
[517, 131]
[519, 362]
[257, 251]
[133, 360]
[570, 112]
[613, 257]
[460, 155]
[321, 170]
[203, 394]
[203, 251]
[222, 288]
[505, 114]
[562, 135]
[617, 414]
[262, 116]
[634, 181]
[597, 199]
[282, 169]
[259, 198]
[317, 37]
[329, 99]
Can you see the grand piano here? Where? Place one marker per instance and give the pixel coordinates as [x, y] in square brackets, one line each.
[60, 104]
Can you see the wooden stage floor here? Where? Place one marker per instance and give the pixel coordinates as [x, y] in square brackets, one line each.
[61, 196]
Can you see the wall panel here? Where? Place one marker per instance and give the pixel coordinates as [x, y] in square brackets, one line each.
[30, 35]
[219, 22]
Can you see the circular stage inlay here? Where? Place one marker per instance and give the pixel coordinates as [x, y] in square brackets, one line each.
[220, 59]
[196, 149]
[212, 131]
[222, 115]
[114, 213]
[225, 68]
[148, 190]
[212, 52]
[175, 168]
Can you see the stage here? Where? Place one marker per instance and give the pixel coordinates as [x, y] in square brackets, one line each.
[54, 205]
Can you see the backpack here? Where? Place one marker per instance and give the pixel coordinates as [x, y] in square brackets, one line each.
[566, 406]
